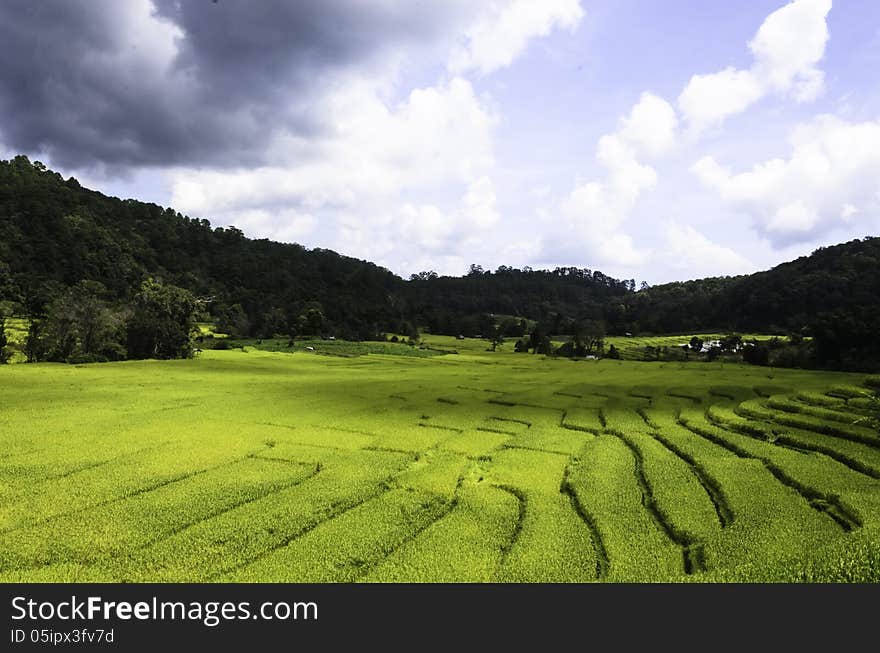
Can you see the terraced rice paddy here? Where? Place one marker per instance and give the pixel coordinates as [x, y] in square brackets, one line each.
[635, 347]
[469, 467]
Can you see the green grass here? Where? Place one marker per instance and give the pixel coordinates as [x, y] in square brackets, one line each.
[379, 462]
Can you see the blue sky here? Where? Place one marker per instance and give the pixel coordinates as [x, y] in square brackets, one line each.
[654, 140]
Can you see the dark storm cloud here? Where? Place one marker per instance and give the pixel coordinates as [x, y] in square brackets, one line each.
[84, 81]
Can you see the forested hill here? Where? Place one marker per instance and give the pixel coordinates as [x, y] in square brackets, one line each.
[54, 233]
[832, 295]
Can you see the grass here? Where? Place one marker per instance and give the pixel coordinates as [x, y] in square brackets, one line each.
[383, 463]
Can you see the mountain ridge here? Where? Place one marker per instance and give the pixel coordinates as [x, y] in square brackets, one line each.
[56, 233]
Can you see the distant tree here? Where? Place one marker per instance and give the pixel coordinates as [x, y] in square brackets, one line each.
[589, 337]
[545, 346]
[410, 332]
[756, 353]
[80, 326]
[495, 337]
[537, 336]
[731, 342]
[567, 349]
[5, 353]
[233, 321]
[34, 344]
[513, 328]
[162, 323]
[312, 321]
[271, 323]
[613, 352]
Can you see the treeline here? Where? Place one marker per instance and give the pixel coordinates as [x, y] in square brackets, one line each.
[55, 234]
[831, 297]
[84, 324]
[559, 299]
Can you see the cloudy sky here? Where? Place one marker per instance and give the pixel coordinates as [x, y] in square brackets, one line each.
[649, 139]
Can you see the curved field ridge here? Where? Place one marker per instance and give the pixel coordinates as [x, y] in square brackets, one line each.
[256, 466]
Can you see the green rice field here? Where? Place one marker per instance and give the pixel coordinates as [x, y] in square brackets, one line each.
[247, 465]
[634, 347]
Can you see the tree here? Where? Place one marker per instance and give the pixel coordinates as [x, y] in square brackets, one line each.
[271, 323]
[487, 325]
[537, 336]
[233, 321]
[613, 352]
[565, 349]
[593, 334]
[512, 327]
[495, 337]
[410, 332]
[162, 322]
[34, 344]
[544, 346]
[80, 326]
[756, 353]
[5, 354]
[731, 342]
[311, 321]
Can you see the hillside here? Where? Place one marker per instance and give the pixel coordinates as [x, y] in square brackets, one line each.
[56, 233]
[832, 295]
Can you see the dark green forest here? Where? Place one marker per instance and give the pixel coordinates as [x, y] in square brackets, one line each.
[67, 250]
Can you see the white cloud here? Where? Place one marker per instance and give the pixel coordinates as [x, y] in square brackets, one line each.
[847, 212]
[786, 49]
[505, 30]
[789, 44]
[284, 224]
[391, 182]
[438, 135]
[685, 248]
[479, 204]
[833, 168]
[597, 210]
[429, 229]
[709, 99]
[650, 126]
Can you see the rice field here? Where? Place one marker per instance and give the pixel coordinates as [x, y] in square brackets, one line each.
[246, 465]
[635, 347]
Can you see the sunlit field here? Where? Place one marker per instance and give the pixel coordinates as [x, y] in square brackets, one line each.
[474, 466]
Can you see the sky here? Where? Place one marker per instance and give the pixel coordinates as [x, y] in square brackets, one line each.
[654, 140]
